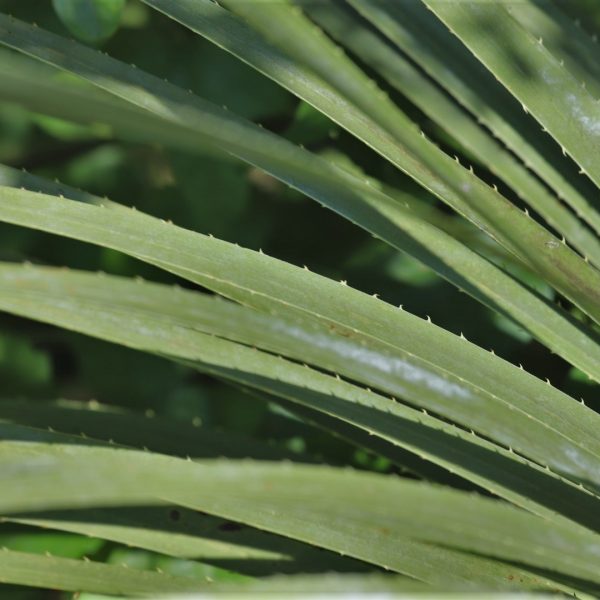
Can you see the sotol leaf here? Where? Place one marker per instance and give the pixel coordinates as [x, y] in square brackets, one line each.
[183, 326]
[346, 194]
[439, 107]
[388, 522]
[430, 45]
[336, 86]
[550, 93]
[75, 575]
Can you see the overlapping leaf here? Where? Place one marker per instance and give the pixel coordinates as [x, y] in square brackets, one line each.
[429, 44]
[375, 526]
[337, 87]
[341, 191]
[188, 327]
[405, 77]
[530, 444]
[551, 94]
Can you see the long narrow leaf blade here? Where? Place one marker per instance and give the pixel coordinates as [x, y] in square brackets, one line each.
[186, 329]
[548, 256]
[386, 129]
[429, 44]
[551, 93]
[167, 436]
[290, 500]
[467, 269]
[183, 533]
[448, 367]
[23, 568]
[405, 77]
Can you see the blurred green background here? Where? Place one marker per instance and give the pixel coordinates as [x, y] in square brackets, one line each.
[209, 194]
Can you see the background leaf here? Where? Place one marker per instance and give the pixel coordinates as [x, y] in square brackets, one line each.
[92, 21]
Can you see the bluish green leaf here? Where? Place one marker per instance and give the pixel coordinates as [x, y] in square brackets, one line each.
[91, 21]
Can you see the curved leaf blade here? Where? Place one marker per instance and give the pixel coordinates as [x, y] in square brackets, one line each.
[183, 326]
[444, 364]
[350, 197]
[551, 93]
[389, 131]
[422, 92]
[23, 568]
[411, 27]
[289, 500]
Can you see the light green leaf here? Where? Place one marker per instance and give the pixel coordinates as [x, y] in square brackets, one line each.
[336, 86]
[411, 27]
[340, 190]
[358, 200]
[389, 522]
[566, 40]
[307, 587]
[419, 356]
[44, 89]
[527, 454]
[184, 533]
[173, 530]
[189, 327]
[411, 82]
[535, 76]
[23, 568]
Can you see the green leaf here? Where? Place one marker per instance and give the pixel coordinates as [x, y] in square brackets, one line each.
[344, 193]
[170, 530]
[355, 198]
[190, 327]
[411, 27]
[168, 436]
[389, 522]
[47, 90]
[183, 533]
[563, 37]
[305, 587]
[425, 94]
[393, 451]
[24, 568]
[533, 75]
[336, 86]
[92, 21]
[66, 545]
[306, 347]
[424, 357]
